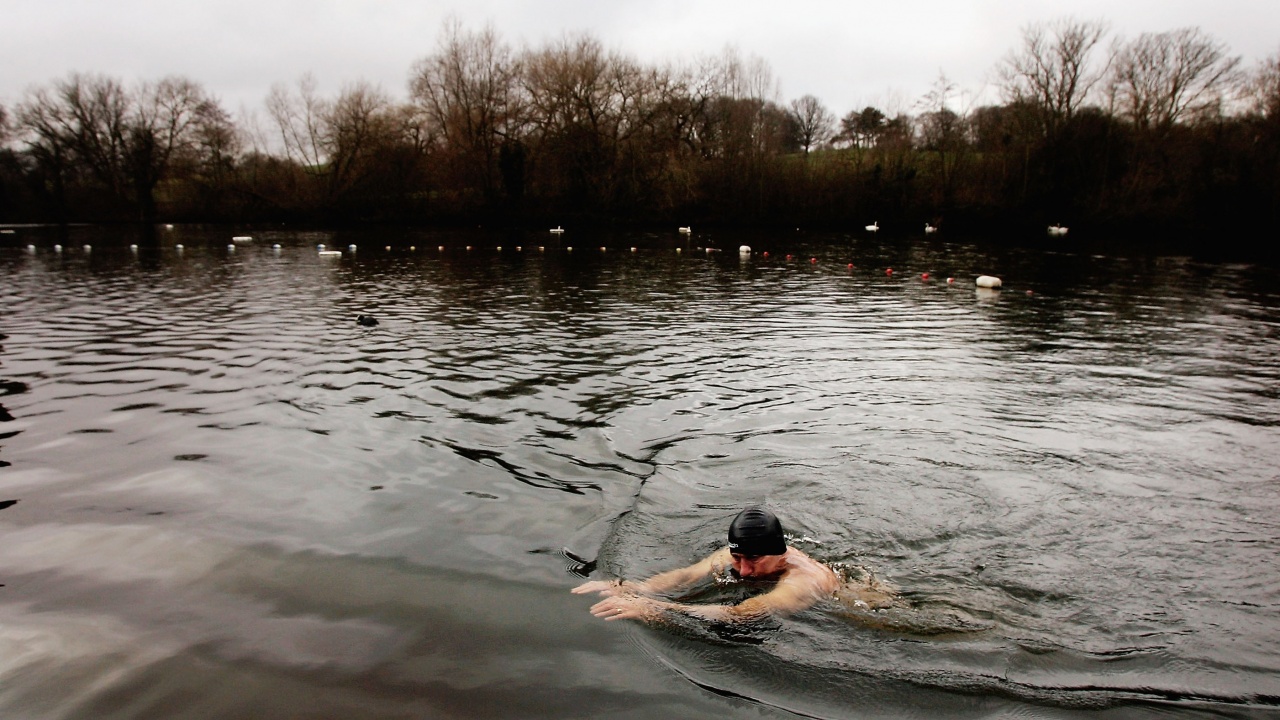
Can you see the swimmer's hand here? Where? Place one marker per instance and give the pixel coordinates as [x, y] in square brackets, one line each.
[607, 588]
[626, 607]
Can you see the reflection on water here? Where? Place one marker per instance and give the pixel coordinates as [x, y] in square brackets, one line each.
[220, 495]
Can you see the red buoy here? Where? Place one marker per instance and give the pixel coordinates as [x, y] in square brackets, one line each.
[924, 276]
[888, 271]
[813, 260]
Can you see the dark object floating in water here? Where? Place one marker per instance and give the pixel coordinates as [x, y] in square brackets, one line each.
[375, 487]
[13, 387]
[367, 320]
[7, 504]
[4, 415]
[579, 565]
[192, 456]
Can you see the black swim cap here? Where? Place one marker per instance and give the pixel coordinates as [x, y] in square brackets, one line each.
[756, 531]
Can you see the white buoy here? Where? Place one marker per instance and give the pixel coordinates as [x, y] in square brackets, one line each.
[57, 248]
[231, 248]
[499, 248]
[874, 227]
[388, 248]
[330, 253]
[31, 248]
[519, 248]
[133, 248]
[686, 230]
[413, 248]
[557, 230]
[320, 246]
[988, 281]
[439, 248]
[633, 249]
[88, 248]
[352, 248]
[744, 249]
[542, 248]
[569, 249]
[276, 246]
[168, 227]
[178, 248]
[602, 248]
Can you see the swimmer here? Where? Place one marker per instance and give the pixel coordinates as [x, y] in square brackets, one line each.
[757, 551]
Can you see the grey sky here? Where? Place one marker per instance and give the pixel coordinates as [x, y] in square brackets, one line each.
[847, 53]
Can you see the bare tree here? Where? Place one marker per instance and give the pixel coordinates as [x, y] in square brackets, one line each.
[127, 141]
[1264, 88]
[815, 125]
[300, 121]
[469, 93]
[352, 130]
[1054, 70]
[1160, 79]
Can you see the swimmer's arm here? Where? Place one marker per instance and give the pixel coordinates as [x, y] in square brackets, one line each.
[783, 600]
[660, 583]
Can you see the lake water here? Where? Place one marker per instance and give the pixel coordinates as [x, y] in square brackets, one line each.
[235, 501]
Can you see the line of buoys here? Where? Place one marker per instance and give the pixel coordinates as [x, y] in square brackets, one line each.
[988, 281]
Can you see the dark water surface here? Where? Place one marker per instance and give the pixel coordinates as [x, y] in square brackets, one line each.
[235, 501]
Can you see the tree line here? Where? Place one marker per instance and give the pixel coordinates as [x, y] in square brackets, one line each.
[1162, 131]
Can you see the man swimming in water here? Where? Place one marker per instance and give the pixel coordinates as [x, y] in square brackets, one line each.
[757, 550]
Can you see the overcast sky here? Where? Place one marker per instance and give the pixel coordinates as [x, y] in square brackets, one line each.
[848, 53]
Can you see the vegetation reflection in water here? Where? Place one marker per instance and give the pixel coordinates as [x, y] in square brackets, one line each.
[230, 492]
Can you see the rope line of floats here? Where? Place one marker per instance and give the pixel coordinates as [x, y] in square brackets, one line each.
[989, 282]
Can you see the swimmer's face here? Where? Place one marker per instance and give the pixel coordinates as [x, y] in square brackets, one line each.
[757, 565]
